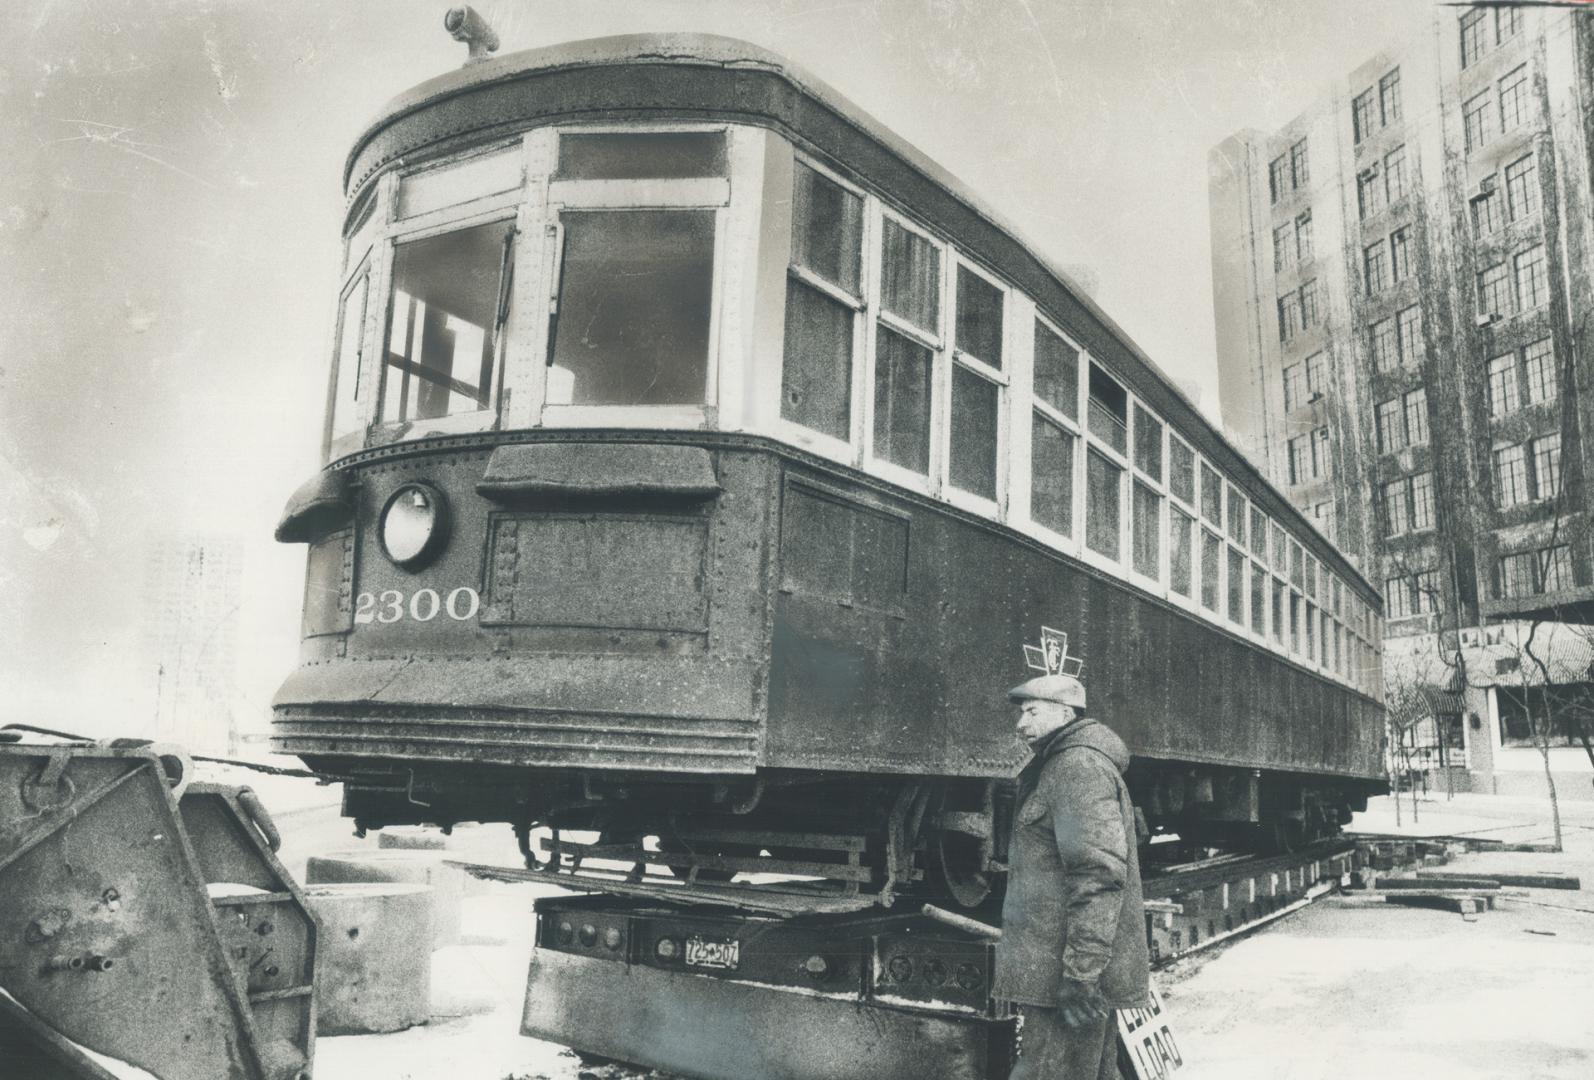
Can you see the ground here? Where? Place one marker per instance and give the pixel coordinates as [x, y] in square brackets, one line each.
[1345, 988]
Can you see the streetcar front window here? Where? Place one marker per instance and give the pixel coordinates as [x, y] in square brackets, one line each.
[351, 324]
[632, 321]
[448, 304]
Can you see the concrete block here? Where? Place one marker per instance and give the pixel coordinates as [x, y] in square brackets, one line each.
[411, 838]
[414, 867]
[369, 976]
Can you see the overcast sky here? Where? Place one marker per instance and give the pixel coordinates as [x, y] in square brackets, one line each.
[170, 210]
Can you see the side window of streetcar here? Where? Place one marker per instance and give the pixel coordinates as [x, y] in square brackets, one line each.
[1051, 495]
[823, 297]
[349, 361]
[906, 337]
[448, 304]
[976, 389]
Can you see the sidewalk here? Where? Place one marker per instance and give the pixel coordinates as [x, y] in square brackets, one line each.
[1350, 990]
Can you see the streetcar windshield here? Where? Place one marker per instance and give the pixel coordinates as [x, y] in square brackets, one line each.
[632, 322]
[447, 304]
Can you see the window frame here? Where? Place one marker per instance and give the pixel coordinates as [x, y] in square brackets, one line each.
[1000, 377]
[727, 200]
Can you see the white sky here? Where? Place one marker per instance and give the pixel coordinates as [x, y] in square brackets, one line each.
[169, 232]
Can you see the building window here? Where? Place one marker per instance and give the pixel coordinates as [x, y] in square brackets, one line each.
[823, 294]
[1417, 416]
[1300, 454]
[1475, 118]
[1473, 35]
[1518, 574]
[1316, 377]
[1309, 313]
[1375, 268]
[1494, 291]
[1397, 517]
[1386, 345]
[1522, 188]
[1303, 235]
[1532, 277]
[1390, 420]
[1276, 177]
[1421, 502]
[1528, 573]
[1410, 322]
[1370, 192]
[1400, 255]
[1510, 477]
[1389, 97]
[1395, 173]
[1283, 248]
[1289, 316]
[1321, 464]
[1507, 23]
[1486, 213]
[1397, 598]
[1361, 113]
[1546, 466]
[1503, 385]
[1514, 98]
[1299, 172]
[1294, 386]
[1539, 359]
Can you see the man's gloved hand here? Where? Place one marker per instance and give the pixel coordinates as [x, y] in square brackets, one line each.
[1080, 1003]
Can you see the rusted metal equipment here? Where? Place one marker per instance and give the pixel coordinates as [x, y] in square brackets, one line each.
[147, 919]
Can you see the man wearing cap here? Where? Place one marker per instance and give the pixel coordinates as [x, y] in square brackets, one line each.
[1073, 947]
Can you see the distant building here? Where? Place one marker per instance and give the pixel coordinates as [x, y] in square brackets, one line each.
[1402, 293]
[192, 589]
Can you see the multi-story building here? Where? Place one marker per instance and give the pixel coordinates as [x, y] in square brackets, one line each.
[1402, 294]
[192, 589]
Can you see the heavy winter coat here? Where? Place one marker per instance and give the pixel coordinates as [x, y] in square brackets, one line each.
[1074, 909]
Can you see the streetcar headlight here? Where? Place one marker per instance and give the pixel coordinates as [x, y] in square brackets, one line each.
[413, 525]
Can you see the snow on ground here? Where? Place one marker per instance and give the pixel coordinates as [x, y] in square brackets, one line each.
[1345, 988]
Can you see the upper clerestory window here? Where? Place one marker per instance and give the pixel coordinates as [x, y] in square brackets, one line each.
[641, 155]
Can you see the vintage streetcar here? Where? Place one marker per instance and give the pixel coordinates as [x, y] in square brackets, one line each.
[703, 464]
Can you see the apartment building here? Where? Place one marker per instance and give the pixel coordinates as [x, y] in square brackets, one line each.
[1402, 297]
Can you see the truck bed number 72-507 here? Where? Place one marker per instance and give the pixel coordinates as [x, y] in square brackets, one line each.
[701, 952]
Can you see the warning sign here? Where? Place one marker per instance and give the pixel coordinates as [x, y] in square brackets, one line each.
[1147, 1040]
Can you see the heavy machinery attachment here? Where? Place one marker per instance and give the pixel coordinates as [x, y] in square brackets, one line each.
[146, 919]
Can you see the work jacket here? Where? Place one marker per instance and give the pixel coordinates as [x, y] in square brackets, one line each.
[1074, 908]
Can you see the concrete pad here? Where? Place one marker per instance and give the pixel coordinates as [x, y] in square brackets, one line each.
[415, 867]
[370, 977]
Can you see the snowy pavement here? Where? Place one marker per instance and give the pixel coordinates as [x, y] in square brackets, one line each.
[1345, 988]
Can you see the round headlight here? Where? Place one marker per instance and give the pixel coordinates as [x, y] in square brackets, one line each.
[414, 524]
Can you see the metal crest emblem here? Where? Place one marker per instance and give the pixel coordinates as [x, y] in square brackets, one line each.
[1051, 655]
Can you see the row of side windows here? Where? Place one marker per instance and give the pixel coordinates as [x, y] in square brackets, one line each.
[875, 311]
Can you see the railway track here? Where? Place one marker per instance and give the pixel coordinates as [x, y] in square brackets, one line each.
[1191, 906]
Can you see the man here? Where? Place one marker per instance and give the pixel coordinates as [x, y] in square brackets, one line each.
[1073, 947]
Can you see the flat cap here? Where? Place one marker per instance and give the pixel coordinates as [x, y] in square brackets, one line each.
[1063, 689]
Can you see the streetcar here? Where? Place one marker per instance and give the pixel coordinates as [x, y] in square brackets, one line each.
[703, 464]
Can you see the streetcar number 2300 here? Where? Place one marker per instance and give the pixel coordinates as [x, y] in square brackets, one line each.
[422, 605]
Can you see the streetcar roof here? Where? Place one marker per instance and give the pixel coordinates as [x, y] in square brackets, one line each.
[437, 119]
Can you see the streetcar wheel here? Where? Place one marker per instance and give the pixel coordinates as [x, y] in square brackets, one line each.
[959, 867]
